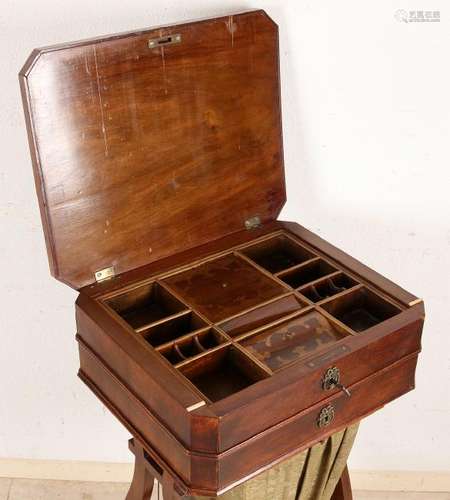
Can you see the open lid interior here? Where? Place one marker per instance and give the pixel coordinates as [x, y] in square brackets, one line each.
[149, 143]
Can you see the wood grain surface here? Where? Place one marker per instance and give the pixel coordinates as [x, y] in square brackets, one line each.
[142, 152]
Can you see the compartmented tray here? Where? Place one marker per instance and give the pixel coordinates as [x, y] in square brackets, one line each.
[237, 318]
[245, 343]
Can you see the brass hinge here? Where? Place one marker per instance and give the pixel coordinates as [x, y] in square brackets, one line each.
[104, 274]
[253, 222]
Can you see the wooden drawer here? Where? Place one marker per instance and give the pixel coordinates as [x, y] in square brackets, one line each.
[301, 386]
[209, 472]
[302, 430]
[141, 352]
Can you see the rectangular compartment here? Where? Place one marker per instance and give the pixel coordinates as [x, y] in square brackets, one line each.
[145, 305]
[172, 329]
[328, 287]
[262, 315]
[293, 339]
[361, 309]
[223, 372]
[307, 273]
[225, 286]
[277, 254]
[192, 346]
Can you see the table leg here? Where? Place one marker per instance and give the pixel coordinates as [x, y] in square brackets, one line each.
[145, 474]
[146, 470]
[169, 493]
[142, 484]
[343, 489]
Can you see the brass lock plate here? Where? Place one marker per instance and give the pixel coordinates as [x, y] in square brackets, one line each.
[326, 416]
[331, 379]
[164, 40]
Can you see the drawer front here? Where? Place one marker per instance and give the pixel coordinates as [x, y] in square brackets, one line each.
[133, 413]
[356, 358]
[316, 423]
[331, 377]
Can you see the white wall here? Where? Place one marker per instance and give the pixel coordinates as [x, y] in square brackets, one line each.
[366, 126]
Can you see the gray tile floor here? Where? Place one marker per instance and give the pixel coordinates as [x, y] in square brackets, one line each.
[34, 489]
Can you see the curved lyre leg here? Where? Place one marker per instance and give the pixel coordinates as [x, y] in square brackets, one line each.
[142, 485]
[143, 480]
[146, 470]
[343, 489]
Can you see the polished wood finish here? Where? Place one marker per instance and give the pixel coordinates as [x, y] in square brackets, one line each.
[203, 472]
[142, 152]
[146, 470]
[348, 262]
[143, 479]
[220, 434]
[224, 287]
[298, 337]
[212, 341]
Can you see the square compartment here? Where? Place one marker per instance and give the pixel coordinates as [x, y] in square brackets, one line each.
[223, 287]
[293, 339]
[222, 373]
[328, 287]
[277, 254]
[361, 309]
[192, 346]
[262, 315]
[145, 305]
[172, 329]
[307, 273]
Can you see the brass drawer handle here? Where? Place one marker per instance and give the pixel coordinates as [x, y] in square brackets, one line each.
[332, 379]
[326, 416]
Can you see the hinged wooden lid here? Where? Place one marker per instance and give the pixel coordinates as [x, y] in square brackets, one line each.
[149, 143]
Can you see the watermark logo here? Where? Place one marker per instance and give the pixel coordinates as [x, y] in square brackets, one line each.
[418, 16]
